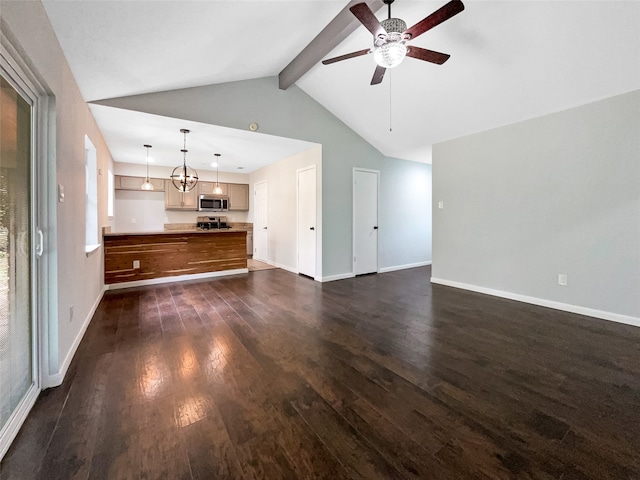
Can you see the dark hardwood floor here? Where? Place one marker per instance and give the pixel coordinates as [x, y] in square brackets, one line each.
[272, 375]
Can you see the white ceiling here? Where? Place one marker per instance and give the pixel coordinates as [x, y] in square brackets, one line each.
[510, 60]
[241, 151]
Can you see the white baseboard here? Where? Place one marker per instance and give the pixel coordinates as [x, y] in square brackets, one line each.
[403, 267]
[283, 267]
[177, 278]
[342, 276]
[567, 307]
[56, 379]
[332, 278]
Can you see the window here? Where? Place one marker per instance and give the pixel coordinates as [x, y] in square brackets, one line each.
[91, 199]
[110, 193]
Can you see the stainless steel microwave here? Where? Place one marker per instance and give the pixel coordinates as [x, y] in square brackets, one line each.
[213, 203]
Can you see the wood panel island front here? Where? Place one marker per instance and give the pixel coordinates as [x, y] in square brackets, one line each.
[147, 256]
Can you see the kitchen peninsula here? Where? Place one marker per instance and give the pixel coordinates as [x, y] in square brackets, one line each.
[148, 256]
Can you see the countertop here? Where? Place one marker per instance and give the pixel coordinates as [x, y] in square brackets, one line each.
[173, 232]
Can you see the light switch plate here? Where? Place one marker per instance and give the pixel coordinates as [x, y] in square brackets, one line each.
[441, 204]
[60, 193]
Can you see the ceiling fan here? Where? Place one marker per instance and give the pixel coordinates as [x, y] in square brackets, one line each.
[390, 37]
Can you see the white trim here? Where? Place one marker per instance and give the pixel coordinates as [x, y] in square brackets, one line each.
[332, 278]
[89, 249]
[319, 229]
[253, 254]
[403, 267]
[567, 307]
[177, 278]
[283, 267]
[56, 379]
[12, 427]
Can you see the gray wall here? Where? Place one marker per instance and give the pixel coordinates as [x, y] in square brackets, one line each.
[404, 213]
[556, 194]
[294, 114]
[80, 278]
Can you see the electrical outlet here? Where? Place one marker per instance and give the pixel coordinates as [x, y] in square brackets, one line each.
[70, 313]
[562, 279]
[133, 220]
[136, 264]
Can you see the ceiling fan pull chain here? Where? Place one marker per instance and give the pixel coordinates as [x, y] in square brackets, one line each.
[390, 128]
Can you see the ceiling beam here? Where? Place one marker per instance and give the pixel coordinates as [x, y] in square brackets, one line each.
[343, 25]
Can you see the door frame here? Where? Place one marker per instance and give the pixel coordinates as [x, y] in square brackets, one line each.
[353, 217]
[43, 226]
[298, 172]
[266, 183]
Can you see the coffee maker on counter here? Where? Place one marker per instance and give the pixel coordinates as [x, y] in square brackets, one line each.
[211, 223]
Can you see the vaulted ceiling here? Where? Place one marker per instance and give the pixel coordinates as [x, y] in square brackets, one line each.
[510, 61]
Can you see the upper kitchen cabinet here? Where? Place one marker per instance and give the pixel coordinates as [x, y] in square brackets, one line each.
[206, 188]
[124, 182]
[238, 196]
[174, 199]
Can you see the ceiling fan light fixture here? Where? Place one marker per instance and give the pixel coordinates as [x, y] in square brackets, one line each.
[390, 54]
[390, 37]
[394, 26]
[390, 50]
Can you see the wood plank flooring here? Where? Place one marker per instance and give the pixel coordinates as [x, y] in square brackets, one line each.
[274, 376]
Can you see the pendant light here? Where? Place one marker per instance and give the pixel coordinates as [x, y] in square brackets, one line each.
[184, 178]
[147, 185]
[217, 190]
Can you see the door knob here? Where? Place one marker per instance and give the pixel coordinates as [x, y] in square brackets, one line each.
[264, 228]
[375, 228]
[312, 228]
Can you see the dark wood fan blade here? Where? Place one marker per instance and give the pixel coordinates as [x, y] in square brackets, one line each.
[427, 55]
[436, 18]
[368, 19]
[378, 75]
[346, 56]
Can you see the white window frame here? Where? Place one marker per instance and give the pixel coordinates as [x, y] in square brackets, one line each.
[92, 242]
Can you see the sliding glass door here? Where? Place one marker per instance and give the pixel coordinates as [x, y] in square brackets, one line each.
[18, 378]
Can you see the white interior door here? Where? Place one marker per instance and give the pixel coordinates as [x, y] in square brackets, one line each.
[307, 222]
[19, 385]
[260, 224]
[365, 221]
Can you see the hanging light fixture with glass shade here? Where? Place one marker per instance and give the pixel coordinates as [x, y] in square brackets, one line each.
[147, 185]
[184, 178]
[217, 190]
[390, 52]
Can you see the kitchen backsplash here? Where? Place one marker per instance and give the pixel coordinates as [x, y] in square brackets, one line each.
[144, 212]
[176, 216]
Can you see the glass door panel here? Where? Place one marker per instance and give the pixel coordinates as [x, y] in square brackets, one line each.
[16, 324]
